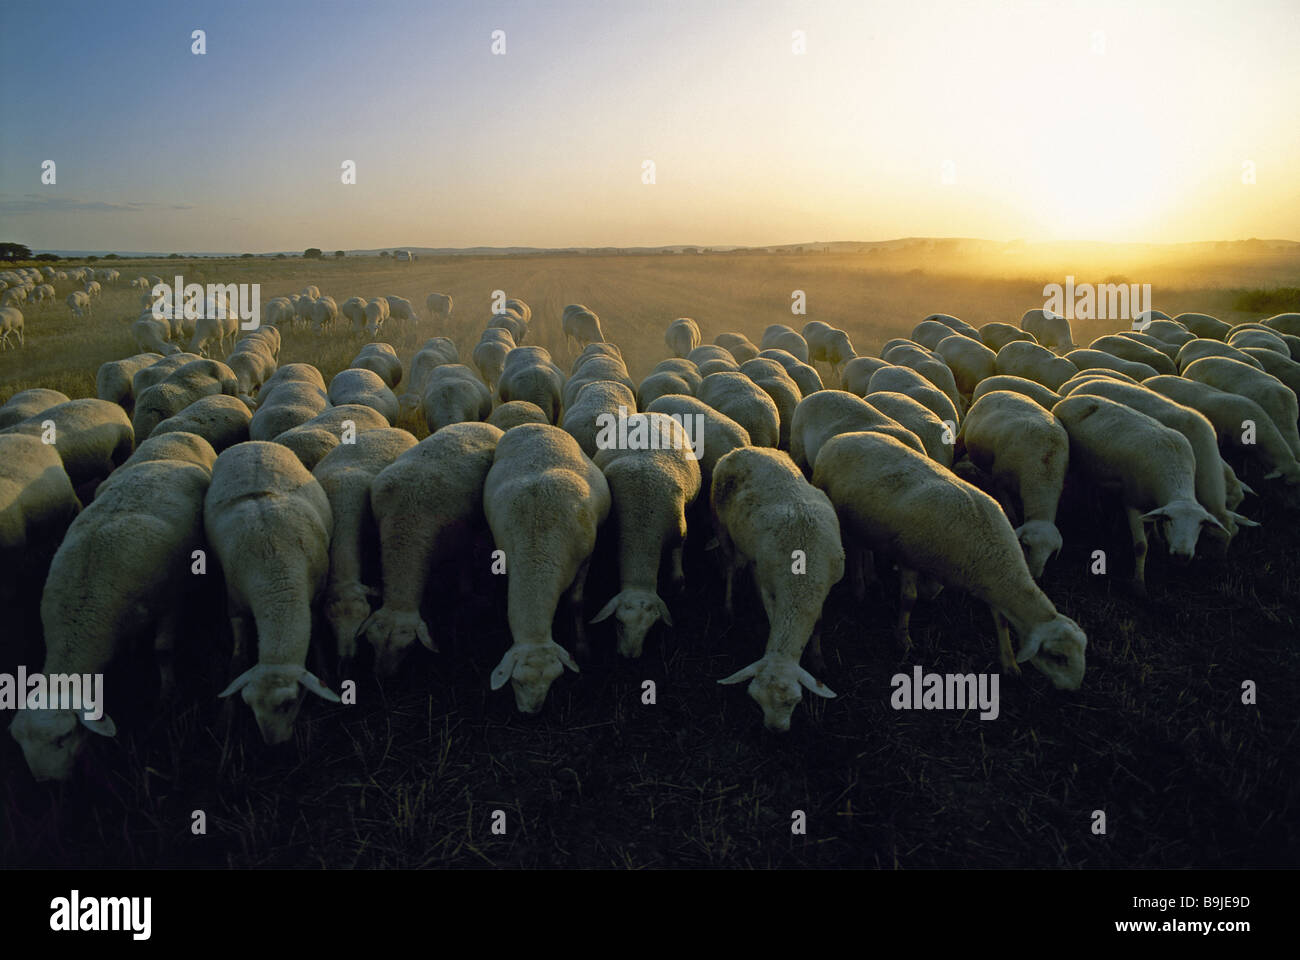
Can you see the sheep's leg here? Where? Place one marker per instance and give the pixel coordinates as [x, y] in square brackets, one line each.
[678, 576]
[815, 659]
[575, 609]
[907, 600]
[1138, 531]
[1008, 505]
[1004, 643]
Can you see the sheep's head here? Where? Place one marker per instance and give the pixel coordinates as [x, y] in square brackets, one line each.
[274, 692]
[1056, 648]
[637, 612]
[347, 609]
[777, 687]
[1041, 541]
[52, 739]
[1180, 523]
[531, 668]
[392, 633]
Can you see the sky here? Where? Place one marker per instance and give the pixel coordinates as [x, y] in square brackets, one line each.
[1138, 120]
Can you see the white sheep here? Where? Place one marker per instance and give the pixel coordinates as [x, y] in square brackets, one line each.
[399, 308]
[11, 327]
[1151, 466]
[581, 326]
[661, 384]
[113, 380]
[77, 302]
[597, 402]
[935, 524]
[768, 517]
[1127, 348]
[93, 437]
[1278, 365]
[355, 385]
[828, 413]
[180, 388]
[253, 361]
[28, 403]
[312, 440]
[784, 392]
[278, 310]
[311, 291]
[382, 359]
[175, 445]
[720, 433]
[490, 354]
[216, 326]
[1040, 394]
[1033, 362]
[427, 505]
[151, 335]
[780, 337]
[969, 360]
[1277, 399]
[682, 336]
[1086, 359]
[37, 503]
[738, 397]
[435, 352]
[996, 335]
[1026, 451]
[531, 376]
[650, 489]
[1049, 329]
[856, 374]
[454, 395]
[221, 420]
[544, 501]
[905, 380]
[268, 521]
[738, 345]
[439, 306]
[1194, 350]
[937, 437]
[514, 413]
[284, 406]
[122, 569]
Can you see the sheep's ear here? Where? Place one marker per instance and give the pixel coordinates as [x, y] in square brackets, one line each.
[312, 683]
[503, 670]
[1246, 488]
[741, 675]
[663, 611]
[1244, 521]
[1271, 475]
[422, 632]
[606, 610]
[1210, 518]
[104, 726]
[811, 683]
[1029, 648]
[239, 682]
[1158, 513]
[566, 658]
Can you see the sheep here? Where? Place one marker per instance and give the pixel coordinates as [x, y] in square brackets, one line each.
[77, 302]
[908, 381]
[94, 290]
[1277, 365]
[93, 437]
[278, 310]
[122, 567]
[311, 291]
[1210, 484]
[738, 345]
[455, 395]
[937, 437]
[324, 311]
[969, 360]
[781, 337]
[1242, 338]
[399, 308]
[151, 335]
[544, 501]
[1086, 359]
[718, 366]
[719, 433]
[1229, 413]
[595, 402]
[382, 359]
[745, 402]
[658, 385]
[285, 406]
[769, 517]
[28, 403]
[827, 344]
[366, 387]
[114, 378]
[180, 388]
[1026, 451]
[930, 366]
[1126, 348]
[776, 383]
[435, 352]
[533, 377]
[593, 350]
[1033, 362]
[173, 445]
[514, 413]
[827, 414]
[490, 354]
[439, 306]
[1093, 373]
[312, 440]
[216, 325]
[37, 502]
[938, 525]
[1168, 349]
[159, 370]
[521, 308]
[581, 327]
[1165, 330]
[377, 312]
[291, 373]
[1152, 466]
[221, 420]
[427, 505]
[954, 324]
[268, 521]
[11, 325]
[1040, 394]
[1288, 323]
[650, 489]
[353, 310]
[685, 369]
[1049, 330]
[346, 474]
[19, 295]
[253, 363]
[1278, 400]
[930, 333]
[857, 373]
[682, 336]
[1204, 325]
[710, 351]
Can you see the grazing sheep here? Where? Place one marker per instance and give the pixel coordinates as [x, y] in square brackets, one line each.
[531, 376]
[160, 370]
[490, 354]
[93, 437]
[268, 521]
[284, 406]
[826, 414]
[290, 373]
[1026, 450]
[581, 327]
[995, 335]
[355, 385]
[1277, 399]
[353, 310]
[1086, 359]
[1093, 373]
[399, 308]
[780, 337]
[1168, 349]
[650, 490]
[514, 413]
[718, 366]
[346, 474]
[311, 291]
[1242, 338]
[455, 395]
[829, 345]
[544, 501]
[37, 503]
[180, 388]
[769, 517]
[220, 420]
[929, 366]
[935, 524]
[969, 360]
[683, 336]
[1166, 330]
[114, 379]
[938, 438]
[435, 352]
[377, 313]
[658, 385]
[685, 369]
[28, 403]
[151, 335]
[324, 311]
[427, 505]
[382, 359]
[596, 401]
[1040, 394]
[521, 308]
[177, 445]
[1288, 323]
[124, 567]
[94, 290]
[908, 381]
[592, 351]
[738, 345]
[778, 385]
[511, 323]
[439, 306]
[77, 302]
[1126, 348]
[1049, 330]
[1277, 365]
[312, 440]
[1033, 362]
[11, 327]
[738, 397]
[954, 324]
[1203, 325]
[707, 352]
[278, 310]
[253, 362]
[217, 325]
[1152, 467]
[856, 374]
[720, 434]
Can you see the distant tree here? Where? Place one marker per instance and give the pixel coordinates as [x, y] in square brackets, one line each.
[245, 256]
[339, 253]
[46, 256]
[15, 251]
[91, 259]
[312, 253]
[279, 256]
[111, 256]
[173, 256]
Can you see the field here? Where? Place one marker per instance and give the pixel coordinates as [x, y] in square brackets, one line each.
[1158, 737]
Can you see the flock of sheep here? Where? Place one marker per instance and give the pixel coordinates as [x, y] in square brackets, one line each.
[811, 462]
